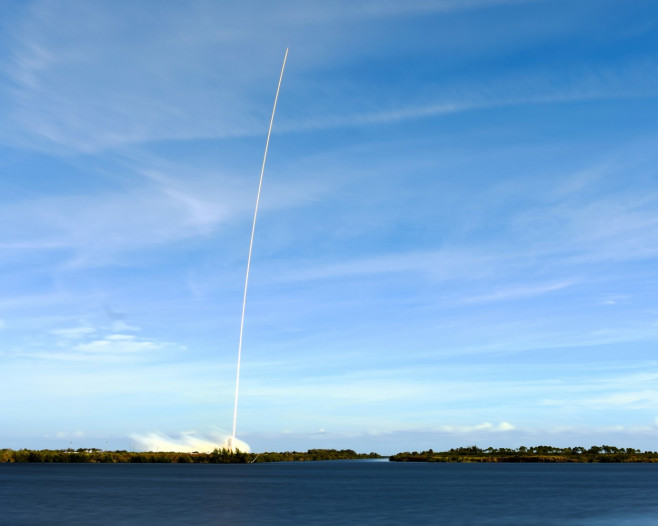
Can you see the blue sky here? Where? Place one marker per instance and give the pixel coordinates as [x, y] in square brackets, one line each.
[457, 241]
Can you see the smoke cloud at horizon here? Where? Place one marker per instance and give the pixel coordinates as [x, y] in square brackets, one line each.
[188, 442]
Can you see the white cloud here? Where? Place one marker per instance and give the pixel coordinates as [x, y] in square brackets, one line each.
[484, 426]
[74, 333]
[118, 344]
[87, 342]
[632, 399]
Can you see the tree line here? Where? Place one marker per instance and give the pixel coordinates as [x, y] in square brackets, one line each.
[530, 454]
[217, 456]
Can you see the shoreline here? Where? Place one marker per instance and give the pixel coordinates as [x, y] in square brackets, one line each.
[536, 455]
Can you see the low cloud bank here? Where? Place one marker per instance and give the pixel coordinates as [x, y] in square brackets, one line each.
[187, 442]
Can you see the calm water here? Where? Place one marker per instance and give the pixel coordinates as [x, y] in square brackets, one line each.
[338, 492]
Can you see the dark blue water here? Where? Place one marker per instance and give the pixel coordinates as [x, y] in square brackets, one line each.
[337, 492]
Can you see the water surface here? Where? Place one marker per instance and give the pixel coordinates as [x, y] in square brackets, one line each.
[358, 492]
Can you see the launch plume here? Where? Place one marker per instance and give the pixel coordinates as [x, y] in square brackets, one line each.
[232, 445]
[188, 442]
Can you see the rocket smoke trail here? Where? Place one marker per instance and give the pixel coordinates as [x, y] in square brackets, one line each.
[251, 244]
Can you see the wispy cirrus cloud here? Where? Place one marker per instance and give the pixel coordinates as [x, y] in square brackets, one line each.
[98, 110]
[105, 224]
[439, 264]
[299, 12]
[141, 105]
[448, 107]
[573, 222]
[634, 80]
[518, 292]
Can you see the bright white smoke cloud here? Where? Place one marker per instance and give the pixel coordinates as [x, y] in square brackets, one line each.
[187, 442]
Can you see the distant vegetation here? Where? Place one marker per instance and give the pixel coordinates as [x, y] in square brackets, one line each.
[530, 454]
[224, 456]
[218, 456]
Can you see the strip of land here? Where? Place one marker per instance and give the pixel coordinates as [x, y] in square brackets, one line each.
[537, 454]
[218, 456]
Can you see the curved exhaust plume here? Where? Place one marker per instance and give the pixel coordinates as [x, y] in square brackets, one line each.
[231, 442]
